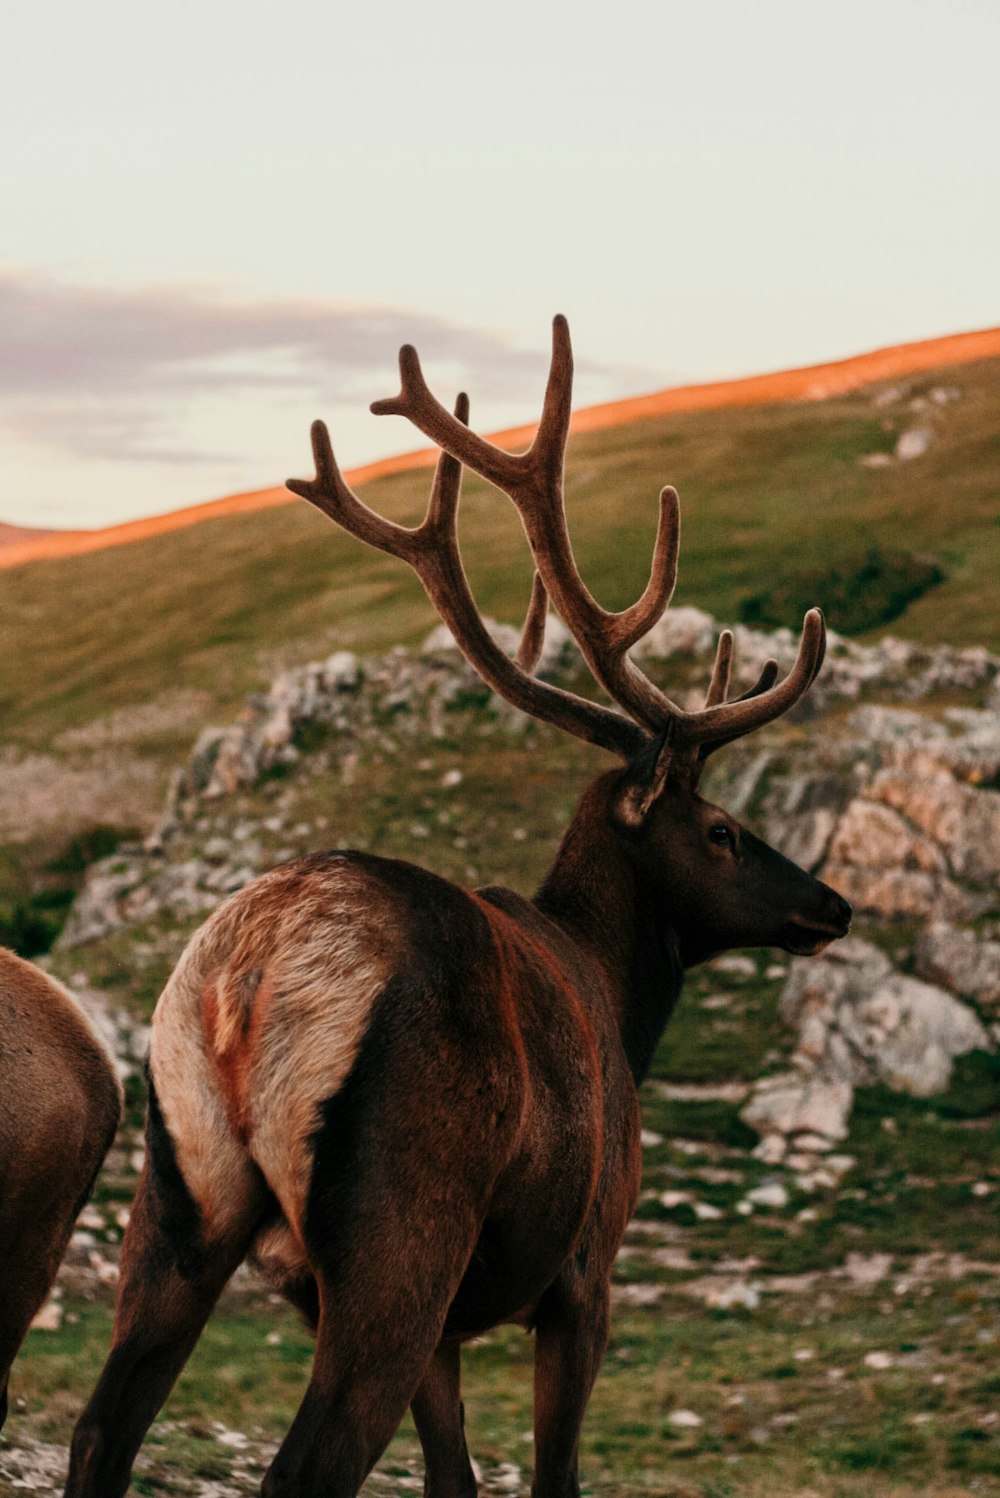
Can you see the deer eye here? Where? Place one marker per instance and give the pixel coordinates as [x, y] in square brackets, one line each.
[721, 834]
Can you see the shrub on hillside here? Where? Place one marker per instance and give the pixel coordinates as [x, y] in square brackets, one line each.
[857, 593]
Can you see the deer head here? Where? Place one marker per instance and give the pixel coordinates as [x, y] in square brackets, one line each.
[721, 886]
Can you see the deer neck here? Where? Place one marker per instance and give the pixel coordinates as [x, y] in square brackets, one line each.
[594, 893]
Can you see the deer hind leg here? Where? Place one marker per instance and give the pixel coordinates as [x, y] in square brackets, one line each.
[176, 1259]
[390, 1223]
[571, 1334]
[440, 1421]
[381, 1317]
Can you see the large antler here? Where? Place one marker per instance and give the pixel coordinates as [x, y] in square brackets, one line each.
[432, 551]
[534, 481]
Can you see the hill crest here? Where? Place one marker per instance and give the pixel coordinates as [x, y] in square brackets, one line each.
[815, 382]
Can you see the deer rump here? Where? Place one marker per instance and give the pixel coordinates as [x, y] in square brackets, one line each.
[378, 1064]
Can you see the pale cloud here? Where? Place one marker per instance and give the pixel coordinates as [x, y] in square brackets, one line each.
[110, 374]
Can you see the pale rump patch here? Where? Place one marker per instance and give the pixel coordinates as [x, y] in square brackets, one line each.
[261, 1022]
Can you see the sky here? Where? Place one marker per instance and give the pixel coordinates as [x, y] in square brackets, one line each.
[220, 220]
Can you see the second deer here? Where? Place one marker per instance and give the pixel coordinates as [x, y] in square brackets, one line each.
[417, 1106]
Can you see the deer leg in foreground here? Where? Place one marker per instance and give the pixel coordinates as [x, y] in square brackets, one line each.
[386, 1279]
[571, 1334]
[32, 1245]
[439, 1418]
[159, 1316]
[373, 1348]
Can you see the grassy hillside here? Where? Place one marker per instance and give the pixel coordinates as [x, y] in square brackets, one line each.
[835, 1338]
[765, 491]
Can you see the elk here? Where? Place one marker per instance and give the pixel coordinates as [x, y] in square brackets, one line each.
[59, 1108]
[416, 1106]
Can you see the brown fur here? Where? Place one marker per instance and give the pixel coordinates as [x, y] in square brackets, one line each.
[59, 1107]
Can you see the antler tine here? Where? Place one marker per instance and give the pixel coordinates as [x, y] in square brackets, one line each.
[721, 724]
[427, 414]
[549, 446]
[433, 553]
[638, 619]
[718, 689]
[446, 490]
[765, 681]
[533, 480]
[533, 634]
[330, 492]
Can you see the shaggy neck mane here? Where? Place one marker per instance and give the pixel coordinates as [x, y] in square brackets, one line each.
[593, 891]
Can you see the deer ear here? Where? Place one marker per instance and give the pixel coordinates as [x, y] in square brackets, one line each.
[645, 778]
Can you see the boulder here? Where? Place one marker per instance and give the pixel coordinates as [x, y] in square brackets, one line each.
[684, 631]
[960, 961]
[798, 1103]
[858, 1022]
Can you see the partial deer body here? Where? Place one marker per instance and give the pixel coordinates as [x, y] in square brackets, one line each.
[59, 1107]
[416, 1106]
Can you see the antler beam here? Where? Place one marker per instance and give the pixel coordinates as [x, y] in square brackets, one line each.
[533, 480]
[431, 549]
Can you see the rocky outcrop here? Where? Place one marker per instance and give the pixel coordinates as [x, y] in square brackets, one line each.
[897, 808]
[858, 1022]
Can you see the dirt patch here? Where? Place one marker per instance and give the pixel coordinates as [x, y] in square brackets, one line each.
[40, 795]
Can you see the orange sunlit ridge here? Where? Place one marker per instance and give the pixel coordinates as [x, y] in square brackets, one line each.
[813, 383]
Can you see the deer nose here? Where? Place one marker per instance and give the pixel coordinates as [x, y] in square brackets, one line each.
[843, 909]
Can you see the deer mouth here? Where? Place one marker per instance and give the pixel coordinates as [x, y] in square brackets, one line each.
[808, 938]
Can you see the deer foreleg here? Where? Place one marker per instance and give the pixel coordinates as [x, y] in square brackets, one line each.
[440, 1421]
[571, 1333]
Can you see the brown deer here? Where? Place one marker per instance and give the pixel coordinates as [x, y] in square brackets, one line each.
[59, 1108]
[414, 1105]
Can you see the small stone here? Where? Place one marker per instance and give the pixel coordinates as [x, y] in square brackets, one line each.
[878, 1360]
[705, 1212]
[769, 1194]
[684, 1419]
[771, 1149]
[735, 965]
[235, 1439]
[867, 1269]
[672, 1199]
[650, 1139]
[451, 778]
[49, 1318]
[914, 443]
